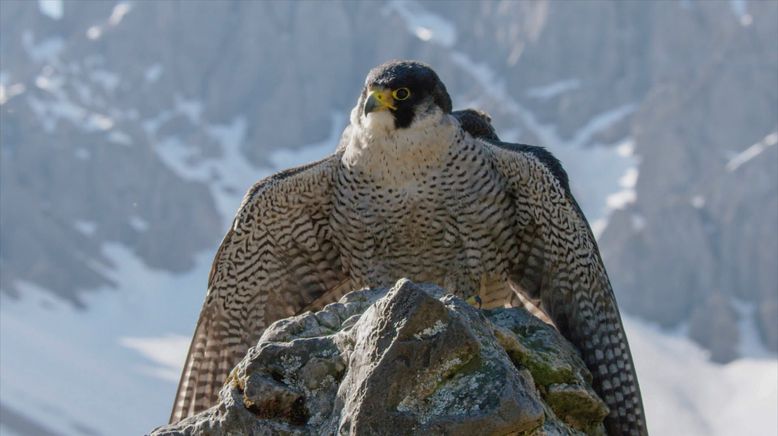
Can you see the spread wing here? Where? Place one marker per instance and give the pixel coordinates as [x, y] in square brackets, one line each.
[276, 260]
[559, 264]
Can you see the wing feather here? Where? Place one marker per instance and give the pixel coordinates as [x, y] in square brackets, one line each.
[559, 263]
[276, 259]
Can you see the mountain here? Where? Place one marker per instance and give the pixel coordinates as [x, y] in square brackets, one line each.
[129, 132]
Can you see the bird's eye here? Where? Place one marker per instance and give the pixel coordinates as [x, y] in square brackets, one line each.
[401, 93]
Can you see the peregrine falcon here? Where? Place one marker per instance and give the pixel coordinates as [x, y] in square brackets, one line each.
[413, 190]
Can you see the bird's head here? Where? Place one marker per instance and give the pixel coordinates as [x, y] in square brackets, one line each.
[399, 93]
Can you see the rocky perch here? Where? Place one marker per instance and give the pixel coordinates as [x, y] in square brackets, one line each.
[406, 360]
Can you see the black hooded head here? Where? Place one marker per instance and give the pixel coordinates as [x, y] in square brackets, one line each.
[404, 88]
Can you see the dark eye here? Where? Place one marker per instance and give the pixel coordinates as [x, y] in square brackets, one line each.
[401, 93]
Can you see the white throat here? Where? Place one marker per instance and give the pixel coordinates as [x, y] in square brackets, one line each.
[398, 157]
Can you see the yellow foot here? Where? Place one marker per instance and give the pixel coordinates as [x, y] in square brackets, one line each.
[473, 300]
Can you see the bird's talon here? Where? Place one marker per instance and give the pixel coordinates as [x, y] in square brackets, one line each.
[475, 299]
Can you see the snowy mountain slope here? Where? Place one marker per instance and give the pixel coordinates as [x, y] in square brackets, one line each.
[130, 345]
[130, 130]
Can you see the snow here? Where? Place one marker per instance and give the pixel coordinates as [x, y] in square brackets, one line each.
[230, 175]
[751, 152]
[555, 89]
[684, 393]
[740, 9]
[51, 8]
[58, 104]
[620, 200]
[192, 109]
[95, 121]
[286, 158]
[94, 32]
[153, 73]
[119, 11]
[629, 179]
[138, 223]
[698, 201]
[117, 15]
[627, 195]
[167, 354]
[74, 359]
[108, 80]
[638, 222]
[119, 137]
[46, 51]
[7, 93]
[427, 26]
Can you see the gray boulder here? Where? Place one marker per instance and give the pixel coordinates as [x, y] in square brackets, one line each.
[406, 360]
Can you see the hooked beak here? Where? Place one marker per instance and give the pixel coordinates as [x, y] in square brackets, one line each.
[379, 99]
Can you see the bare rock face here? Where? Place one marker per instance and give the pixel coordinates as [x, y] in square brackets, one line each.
[405, 360]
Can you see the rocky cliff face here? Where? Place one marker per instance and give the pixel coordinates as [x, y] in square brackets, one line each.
[143, 123]
[407, 360]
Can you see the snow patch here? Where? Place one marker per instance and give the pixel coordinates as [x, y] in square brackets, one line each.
[286, 158]
[629, 179]
[167, 353]
[698, 201]
[47, 51]
[108, 80]
[153, 73]
[627, 195]
[119, 137]
[192, 109]
[638, 222]
[117, 15]
[684, 393]
[10, 92]
[598, 226]
[108, 348]
[119, 11]
[138, 223]
[94, 32]
[752, 152]
[427, 26]
[555, 89]
[620, 200]
[51, 8]
[97, 121]
[740, 9]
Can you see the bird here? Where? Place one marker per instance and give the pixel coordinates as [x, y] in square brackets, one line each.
[417, 190]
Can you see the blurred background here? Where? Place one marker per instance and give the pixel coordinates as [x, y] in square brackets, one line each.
[131, 130]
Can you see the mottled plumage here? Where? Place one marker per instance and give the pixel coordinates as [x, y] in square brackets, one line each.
[415, 191]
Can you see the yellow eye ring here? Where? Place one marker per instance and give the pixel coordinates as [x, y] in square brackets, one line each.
[401, 94]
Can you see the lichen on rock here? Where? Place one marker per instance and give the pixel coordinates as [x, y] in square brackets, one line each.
[411, 359]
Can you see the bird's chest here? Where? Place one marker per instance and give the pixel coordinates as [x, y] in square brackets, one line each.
[446, 220]
[392, 220]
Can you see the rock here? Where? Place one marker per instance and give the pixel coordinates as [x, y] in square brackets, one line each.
[406, 360]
